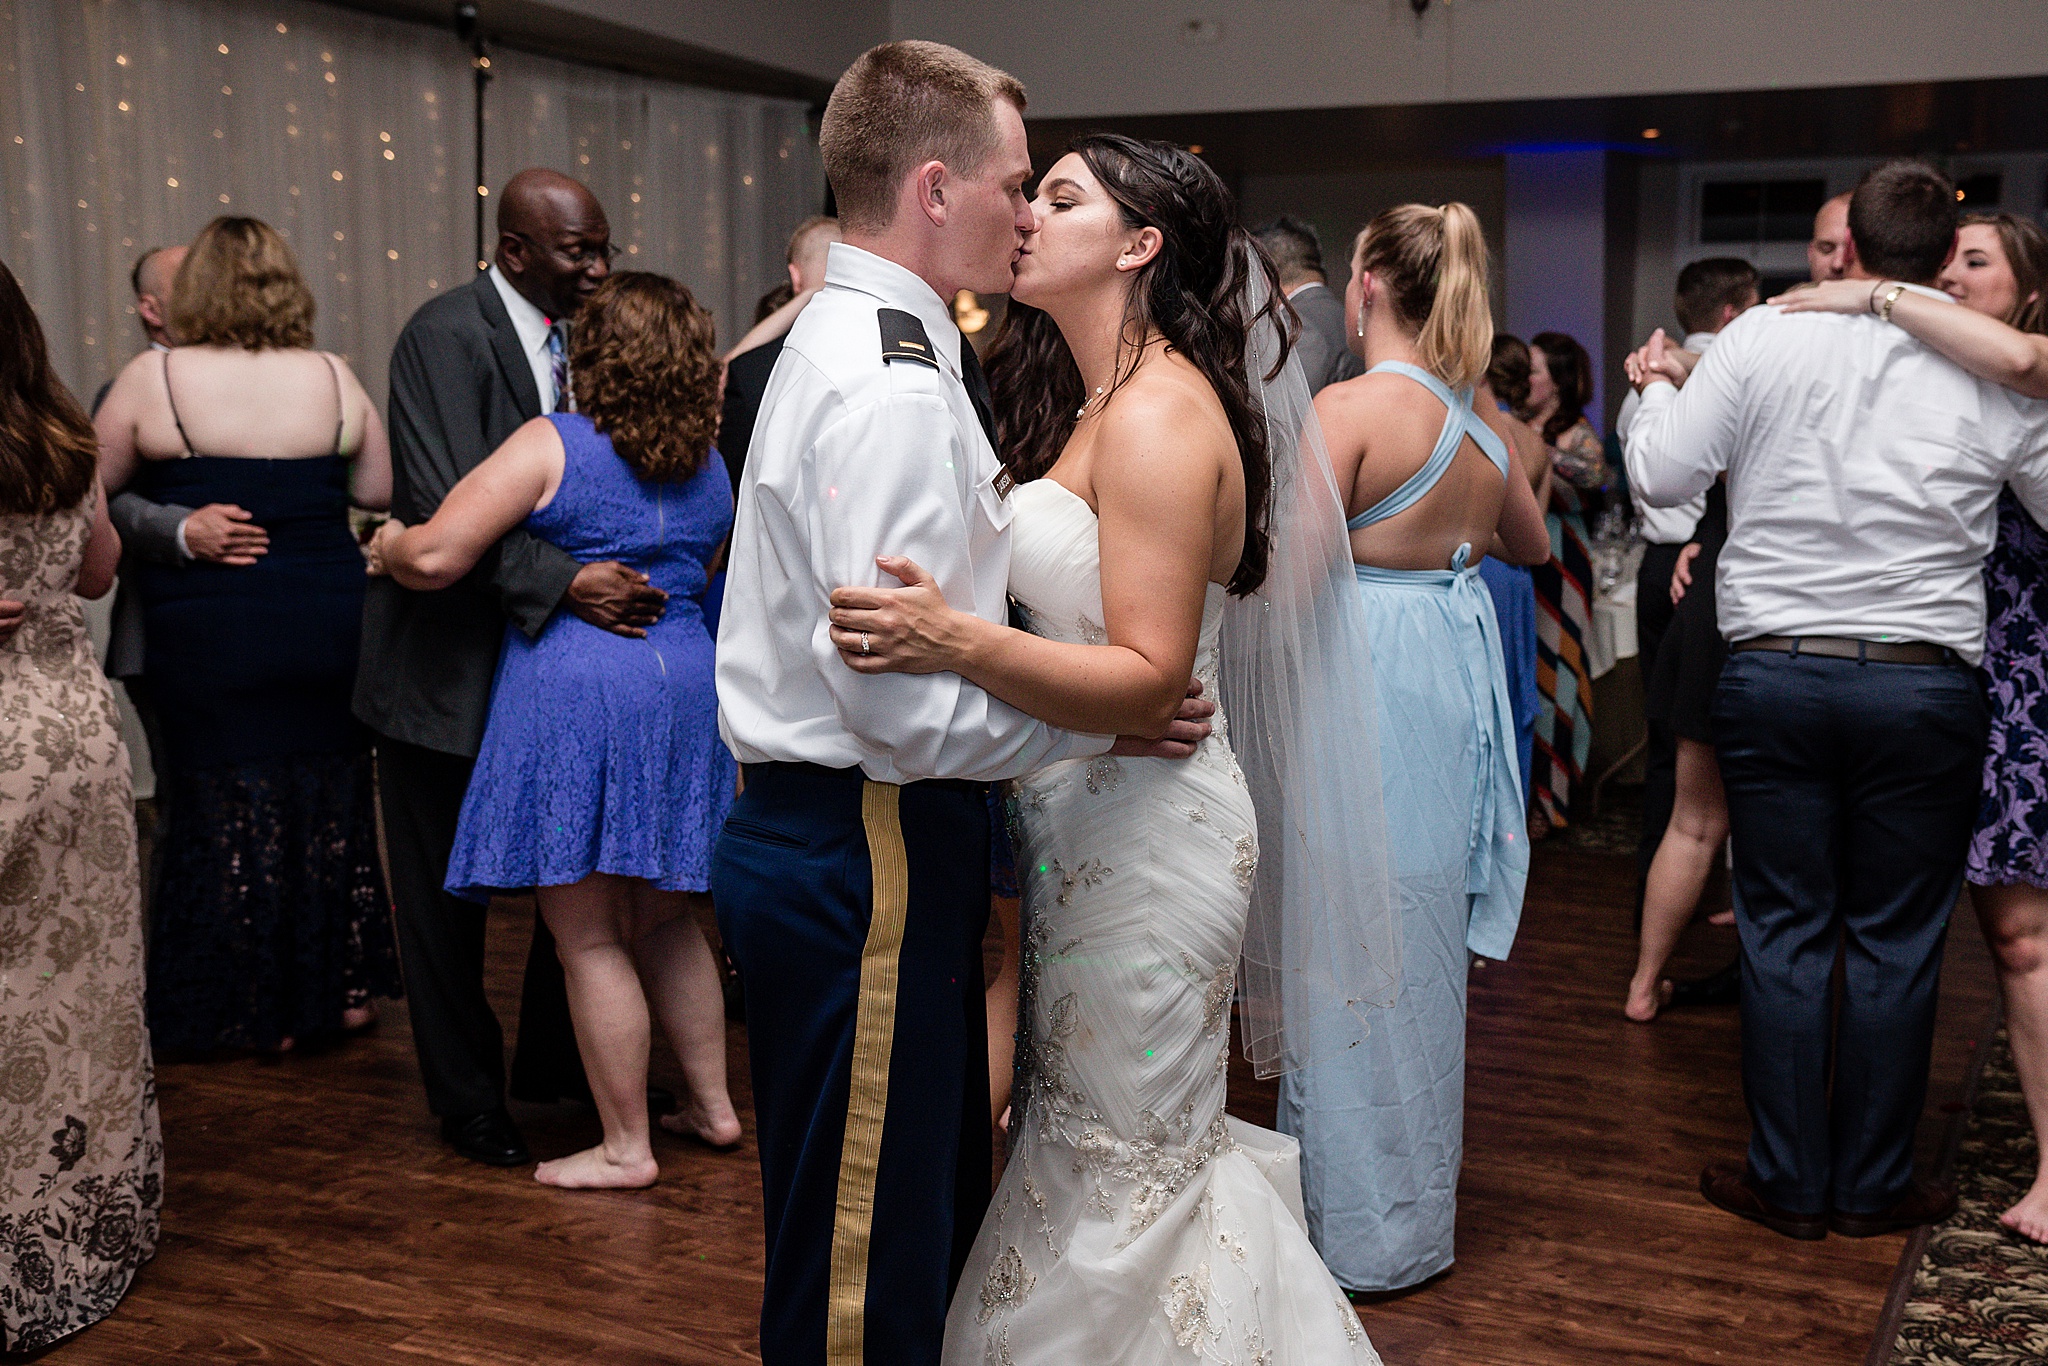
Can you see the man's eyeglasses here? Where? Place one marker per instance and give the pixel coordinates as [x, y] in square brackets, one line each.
[581, 256]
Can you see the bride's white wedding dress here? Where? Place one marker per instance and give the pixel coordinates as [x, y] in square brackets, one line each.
[1135, 1222]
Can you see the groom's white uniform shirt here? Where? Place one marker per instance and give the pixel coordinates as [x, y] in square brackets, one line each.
[1863, 475]
[855, 457]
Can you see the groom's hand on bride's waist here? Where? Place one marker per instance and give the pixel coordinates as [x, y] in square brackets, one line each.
[1183, 733]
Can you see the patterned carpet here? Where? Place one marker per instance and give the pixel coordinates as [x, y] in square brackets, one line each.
[1614, 831]
[1980, 1297]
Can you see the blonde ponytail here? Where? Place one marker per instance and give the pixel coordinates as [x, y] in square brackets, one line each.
[1432, 264]
[1456, 342]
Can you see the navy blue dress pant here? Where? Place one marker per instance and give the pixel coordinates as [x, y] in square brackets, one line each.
[1852, 788]
[854, 911]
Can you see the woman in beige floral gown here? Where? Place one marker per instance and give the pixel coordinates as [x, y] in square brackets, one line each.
[81, 1160]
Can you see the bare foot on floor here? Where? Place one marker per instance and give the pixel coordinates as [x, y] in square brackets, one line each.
[359, 1017]
[591, 1169]
[720, 1130]
[2029, 1218]
[1644, 1003]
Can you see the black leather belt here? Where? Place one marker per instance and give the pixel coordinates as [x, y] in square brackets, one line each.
[1835, 647]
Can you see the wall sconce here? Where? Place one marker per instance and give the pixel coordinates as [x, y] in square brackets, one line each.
[968, 314]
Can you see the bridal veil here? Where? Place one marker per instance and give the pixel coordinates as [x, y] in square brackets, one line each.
[1322, 947]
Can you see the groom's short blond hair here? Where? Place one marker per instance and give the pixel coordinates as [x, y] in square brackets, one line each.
[898, 106]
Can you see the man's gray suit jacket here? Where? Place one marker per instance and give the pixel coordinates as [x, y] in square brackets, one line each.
[1325, 359]
[149, 533]
[460, 385]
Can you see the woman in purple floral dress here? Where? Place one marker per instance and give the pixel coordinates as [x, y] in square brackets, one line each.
[2010, 848]
[2000, 270]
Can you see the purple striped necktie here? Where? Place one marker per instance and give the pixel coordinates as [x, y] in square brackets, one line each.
[558, 364]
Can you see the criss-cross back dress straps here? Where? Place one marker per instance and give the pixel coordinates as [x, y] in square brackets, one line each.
[1459, 422]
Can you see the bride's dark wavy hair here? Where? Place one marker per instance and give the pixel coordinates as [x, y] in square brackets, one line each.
[1192, 293]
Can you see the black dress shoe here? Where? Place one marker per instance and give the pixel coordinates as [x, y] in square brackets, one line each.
[490, 1138]
[1926, 1203]
[1723, 988]
[1726, 1186]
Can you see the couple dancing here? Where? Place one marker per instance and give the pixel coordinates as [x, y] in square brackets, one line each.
[1176, 536]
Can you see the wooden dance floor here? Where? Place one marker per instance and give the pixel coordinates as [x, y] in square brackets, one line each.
[312, 1215]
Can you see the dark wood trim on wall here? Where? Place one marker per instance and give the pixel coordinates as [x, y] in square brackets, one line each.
[1933, 119]
[540, 29]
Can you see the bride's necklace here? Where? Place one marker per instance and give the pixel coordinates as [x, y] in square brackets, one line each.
[1094, 400]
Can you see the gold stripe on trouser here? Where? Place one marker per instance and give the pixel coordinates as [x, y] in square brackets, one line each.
[874, 1036]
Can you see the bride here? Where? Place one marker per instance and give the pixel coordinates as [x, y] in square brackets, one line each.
[1175, 515]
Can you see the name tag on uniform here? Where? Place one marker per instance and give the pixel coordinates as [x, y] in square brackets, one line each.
[1003, 483]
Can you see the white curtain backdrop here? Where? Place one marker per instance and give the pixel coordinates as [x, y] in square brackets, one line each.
[126, 124]
[698, 185]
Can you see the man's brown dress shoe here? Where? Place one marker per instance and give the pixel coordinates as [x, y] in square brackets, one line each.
[1726, 1186]
[1926, 1203]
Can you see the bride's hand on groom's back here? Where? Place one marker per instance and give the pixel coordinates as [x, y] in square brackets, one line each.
[1183, 734]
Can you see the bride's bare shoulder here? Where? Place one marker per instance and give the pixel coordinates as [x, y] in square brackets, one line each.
[1170, 405]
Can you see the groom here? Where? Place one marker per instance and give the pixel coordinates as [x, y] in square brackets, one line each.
[852, 880]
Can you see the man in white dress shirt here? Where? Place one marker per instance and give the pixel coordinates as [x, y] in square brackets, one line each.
[1863, 476]
[852, 880]
[1711, 294]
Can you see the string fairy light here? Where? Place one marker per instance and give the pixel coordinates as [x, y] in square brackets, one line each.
[275, 79]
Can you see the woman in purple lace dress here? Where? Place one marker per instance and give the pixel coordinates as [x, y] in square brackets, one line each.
[1999, 271]
[602, 782]
[2000, 275]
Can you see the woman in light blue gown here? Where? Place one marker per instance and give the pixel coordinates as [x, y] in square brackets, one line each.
[1432, 490]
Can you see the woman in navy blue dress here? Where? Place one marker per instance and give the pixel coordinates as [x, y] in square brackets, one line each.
[270, 926]
[602, 782]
